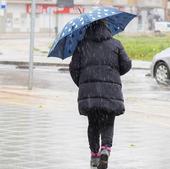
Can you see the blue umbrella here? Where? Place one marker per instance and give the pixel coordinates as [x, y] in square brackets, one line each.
[74, 31]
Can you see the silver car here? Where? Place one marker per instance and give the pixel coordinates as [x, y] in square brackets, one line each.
[160, 68]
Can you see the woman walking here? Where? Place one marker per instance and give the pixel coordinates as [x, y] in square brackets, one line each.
[96, 67]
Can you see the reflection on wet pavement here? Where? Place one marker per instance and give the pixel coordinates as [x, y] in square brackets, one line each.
[41, 129]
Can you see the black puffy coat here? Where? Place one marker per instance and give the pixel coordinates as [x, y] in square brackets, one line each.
[96, 67]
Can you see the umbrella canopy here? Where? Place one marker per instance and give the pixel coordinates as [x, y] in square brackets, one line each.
[74, 31]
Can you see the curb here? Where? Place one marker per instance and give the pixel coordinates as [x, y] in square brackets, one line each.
[35, 63]
[24, 63]
[141, 68]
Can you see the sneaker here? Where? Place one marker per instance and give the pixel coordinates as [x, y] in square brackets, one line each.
[105, 153]
[95, 158]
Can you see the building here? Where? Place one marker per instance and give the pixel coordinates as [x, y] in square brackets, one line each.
[49, 18]
[15, 17]
[149, 13]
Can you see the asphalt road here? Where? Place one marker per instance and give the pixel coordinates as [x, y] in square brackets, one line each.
[142, 94]
[135, 83]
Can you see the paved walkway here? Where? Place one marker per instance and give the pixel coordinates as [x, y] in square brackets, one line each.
[41, 129]
[16, 51]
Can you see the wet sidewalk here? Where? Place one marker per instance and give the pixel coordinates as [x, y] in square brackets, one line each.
[41, 129]
[15, 51]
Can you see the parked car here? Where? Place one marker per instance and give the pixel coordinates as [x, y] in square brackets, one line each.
[160, 68]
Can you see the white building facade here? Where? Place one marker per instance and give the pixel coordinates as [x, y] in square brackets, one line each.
[49, 18]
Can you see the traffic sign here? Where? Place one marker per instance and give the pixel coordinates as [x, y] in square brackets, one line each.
[3, 5]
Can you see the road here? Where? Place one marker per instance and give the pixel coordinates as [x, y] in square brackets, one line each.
[41, 129]
[136, 85]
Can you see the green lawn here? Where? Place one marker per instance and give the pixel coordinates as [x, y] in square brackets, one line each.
[144, 47]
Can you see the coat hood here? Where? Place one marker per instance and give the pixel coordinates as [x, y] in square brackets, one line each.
[98, 33]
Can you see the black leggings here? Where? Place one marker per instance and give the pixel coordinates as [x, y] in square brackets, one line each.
[100, 124]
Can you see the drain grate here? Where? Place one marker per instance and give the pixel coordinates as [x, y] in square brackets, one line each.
[23, 66]
[63, 70]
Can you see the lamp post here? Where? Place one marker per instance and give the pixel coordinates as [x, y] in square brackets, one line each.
[32, 34]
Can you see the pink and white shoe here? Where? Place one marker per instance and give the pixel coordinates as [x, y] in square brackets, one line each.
[95, 158]
[105, 153]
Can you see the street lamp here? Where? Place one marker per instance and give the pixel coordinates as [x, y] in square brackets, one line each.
[31, 57]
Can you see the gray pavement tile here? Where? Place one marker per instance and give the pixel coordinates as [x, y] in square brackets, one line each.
[33, 138]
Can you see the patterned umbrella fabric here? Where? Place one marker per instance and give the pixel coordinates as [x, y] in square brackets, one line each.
[74, 31]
